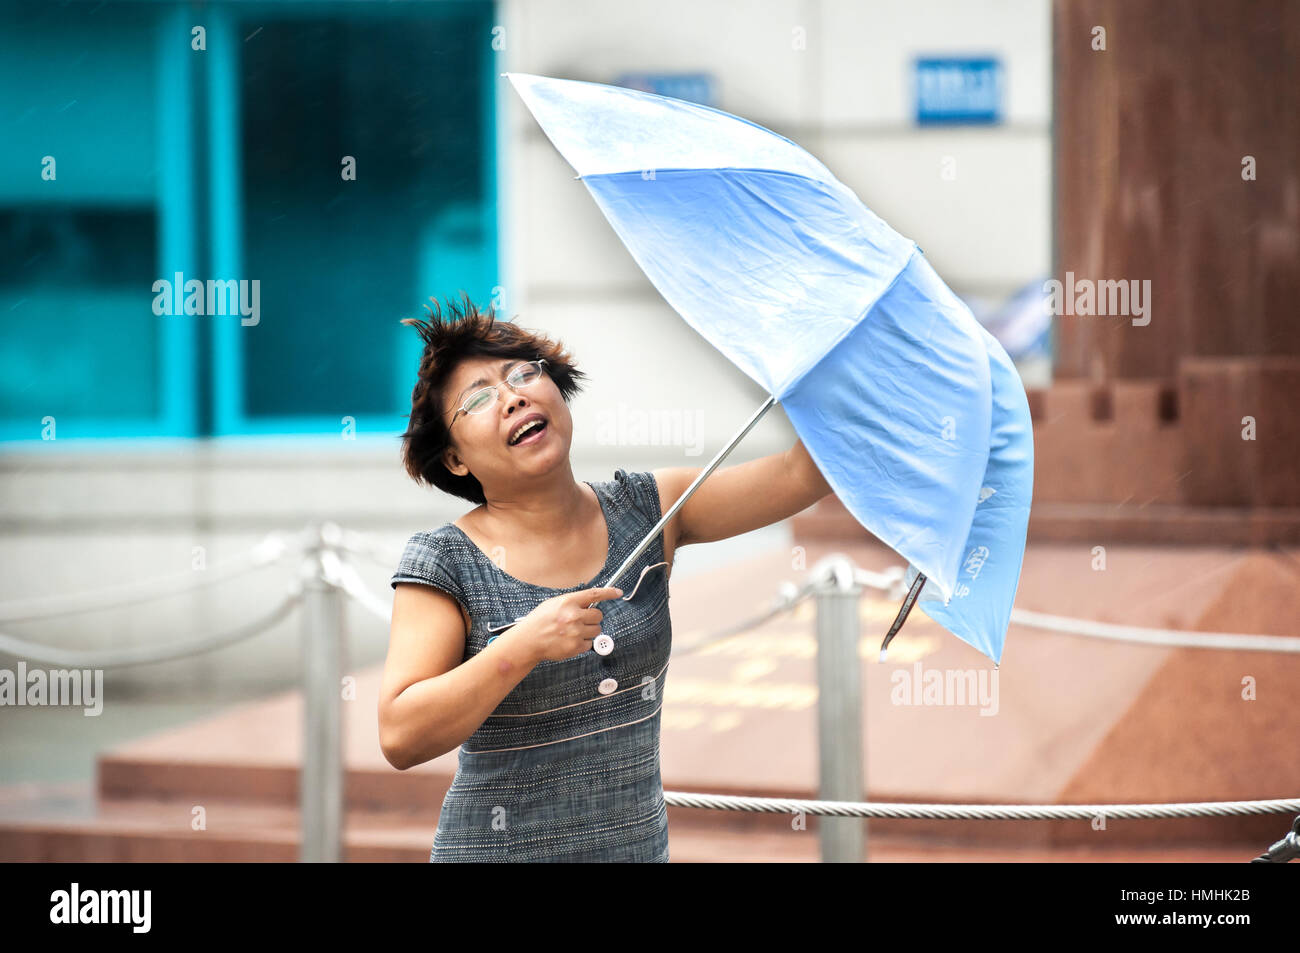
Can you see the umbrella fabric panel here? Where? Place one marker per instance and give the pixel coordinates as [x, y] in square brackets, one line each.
[603, 129]
[773, 269]
[897, 419]
[980, 608]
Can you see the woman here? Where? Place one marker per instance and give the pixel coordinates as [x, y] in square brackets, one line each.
[496, 644]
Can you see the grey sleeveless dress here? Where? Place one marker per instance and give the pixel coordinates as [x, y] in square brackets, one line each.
[567, 767]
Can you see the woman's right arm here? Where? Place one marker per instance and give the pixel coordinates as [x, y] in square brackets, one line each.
[429, 702]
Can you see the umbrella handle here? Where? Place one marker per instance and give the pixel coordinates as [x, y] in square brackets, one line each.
[903, 611]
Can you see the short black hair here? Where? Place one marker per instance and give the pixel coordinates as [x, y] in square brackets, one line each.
[466, 332]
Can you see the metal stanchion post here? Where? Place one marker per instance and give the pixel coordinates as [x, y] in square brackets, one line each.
[321, 777]
[839, 708]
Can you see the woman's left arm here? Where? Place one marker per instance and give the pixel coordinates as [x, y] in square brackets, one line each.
[742, 498]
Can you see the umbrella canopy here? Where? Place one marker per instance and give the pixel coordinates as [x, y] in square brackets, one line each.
[881, 369]
[990, 572]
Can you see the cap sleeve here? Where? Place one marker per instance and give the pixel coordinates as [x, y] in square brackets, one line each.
[425, 561]
[642, 493]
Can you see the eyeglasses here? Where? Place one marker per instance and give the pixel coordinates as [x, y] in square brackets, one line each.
[481, 400]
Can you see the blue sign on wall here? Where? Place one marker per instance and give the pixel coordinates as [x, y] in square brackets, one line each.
[693, 87]
[958, 90]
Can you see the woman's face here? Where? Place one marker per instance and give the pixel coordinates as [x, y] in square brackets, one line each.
[480, 443]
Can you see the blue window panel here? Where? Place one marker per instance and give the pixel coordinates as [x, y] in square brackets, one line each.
[78, 87]
[79, 338]
[339, 262]
[80, 251]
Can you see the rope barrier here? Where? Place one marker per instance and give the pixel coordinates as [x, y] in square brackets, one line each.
[791, 595]
[144, 655]
[1174, 638]
[360, 544]
[269, 551]
[1170, 637]
[890, 581]
[1004, 812]
[276, 546]
[352, 584]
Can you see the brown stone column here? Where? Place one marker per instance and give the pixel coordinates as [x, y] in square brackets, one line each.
[1153, 183]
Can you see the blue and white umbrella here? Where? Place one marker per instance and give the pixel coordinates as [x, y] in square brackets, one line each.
[912, 411]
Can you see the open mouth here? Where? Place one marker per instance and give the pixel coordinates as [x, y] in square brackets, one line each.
[532, 432]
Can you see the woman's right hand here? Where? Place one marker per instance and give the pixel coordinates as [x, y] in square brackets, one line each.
[563, 626]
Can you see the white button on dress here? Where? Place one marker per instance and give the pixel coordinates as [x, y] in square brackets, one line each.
[603, 644]
[607, 686]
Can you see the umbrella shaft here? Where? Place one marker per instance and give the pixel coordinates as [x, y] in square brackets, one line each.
[731, 445]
